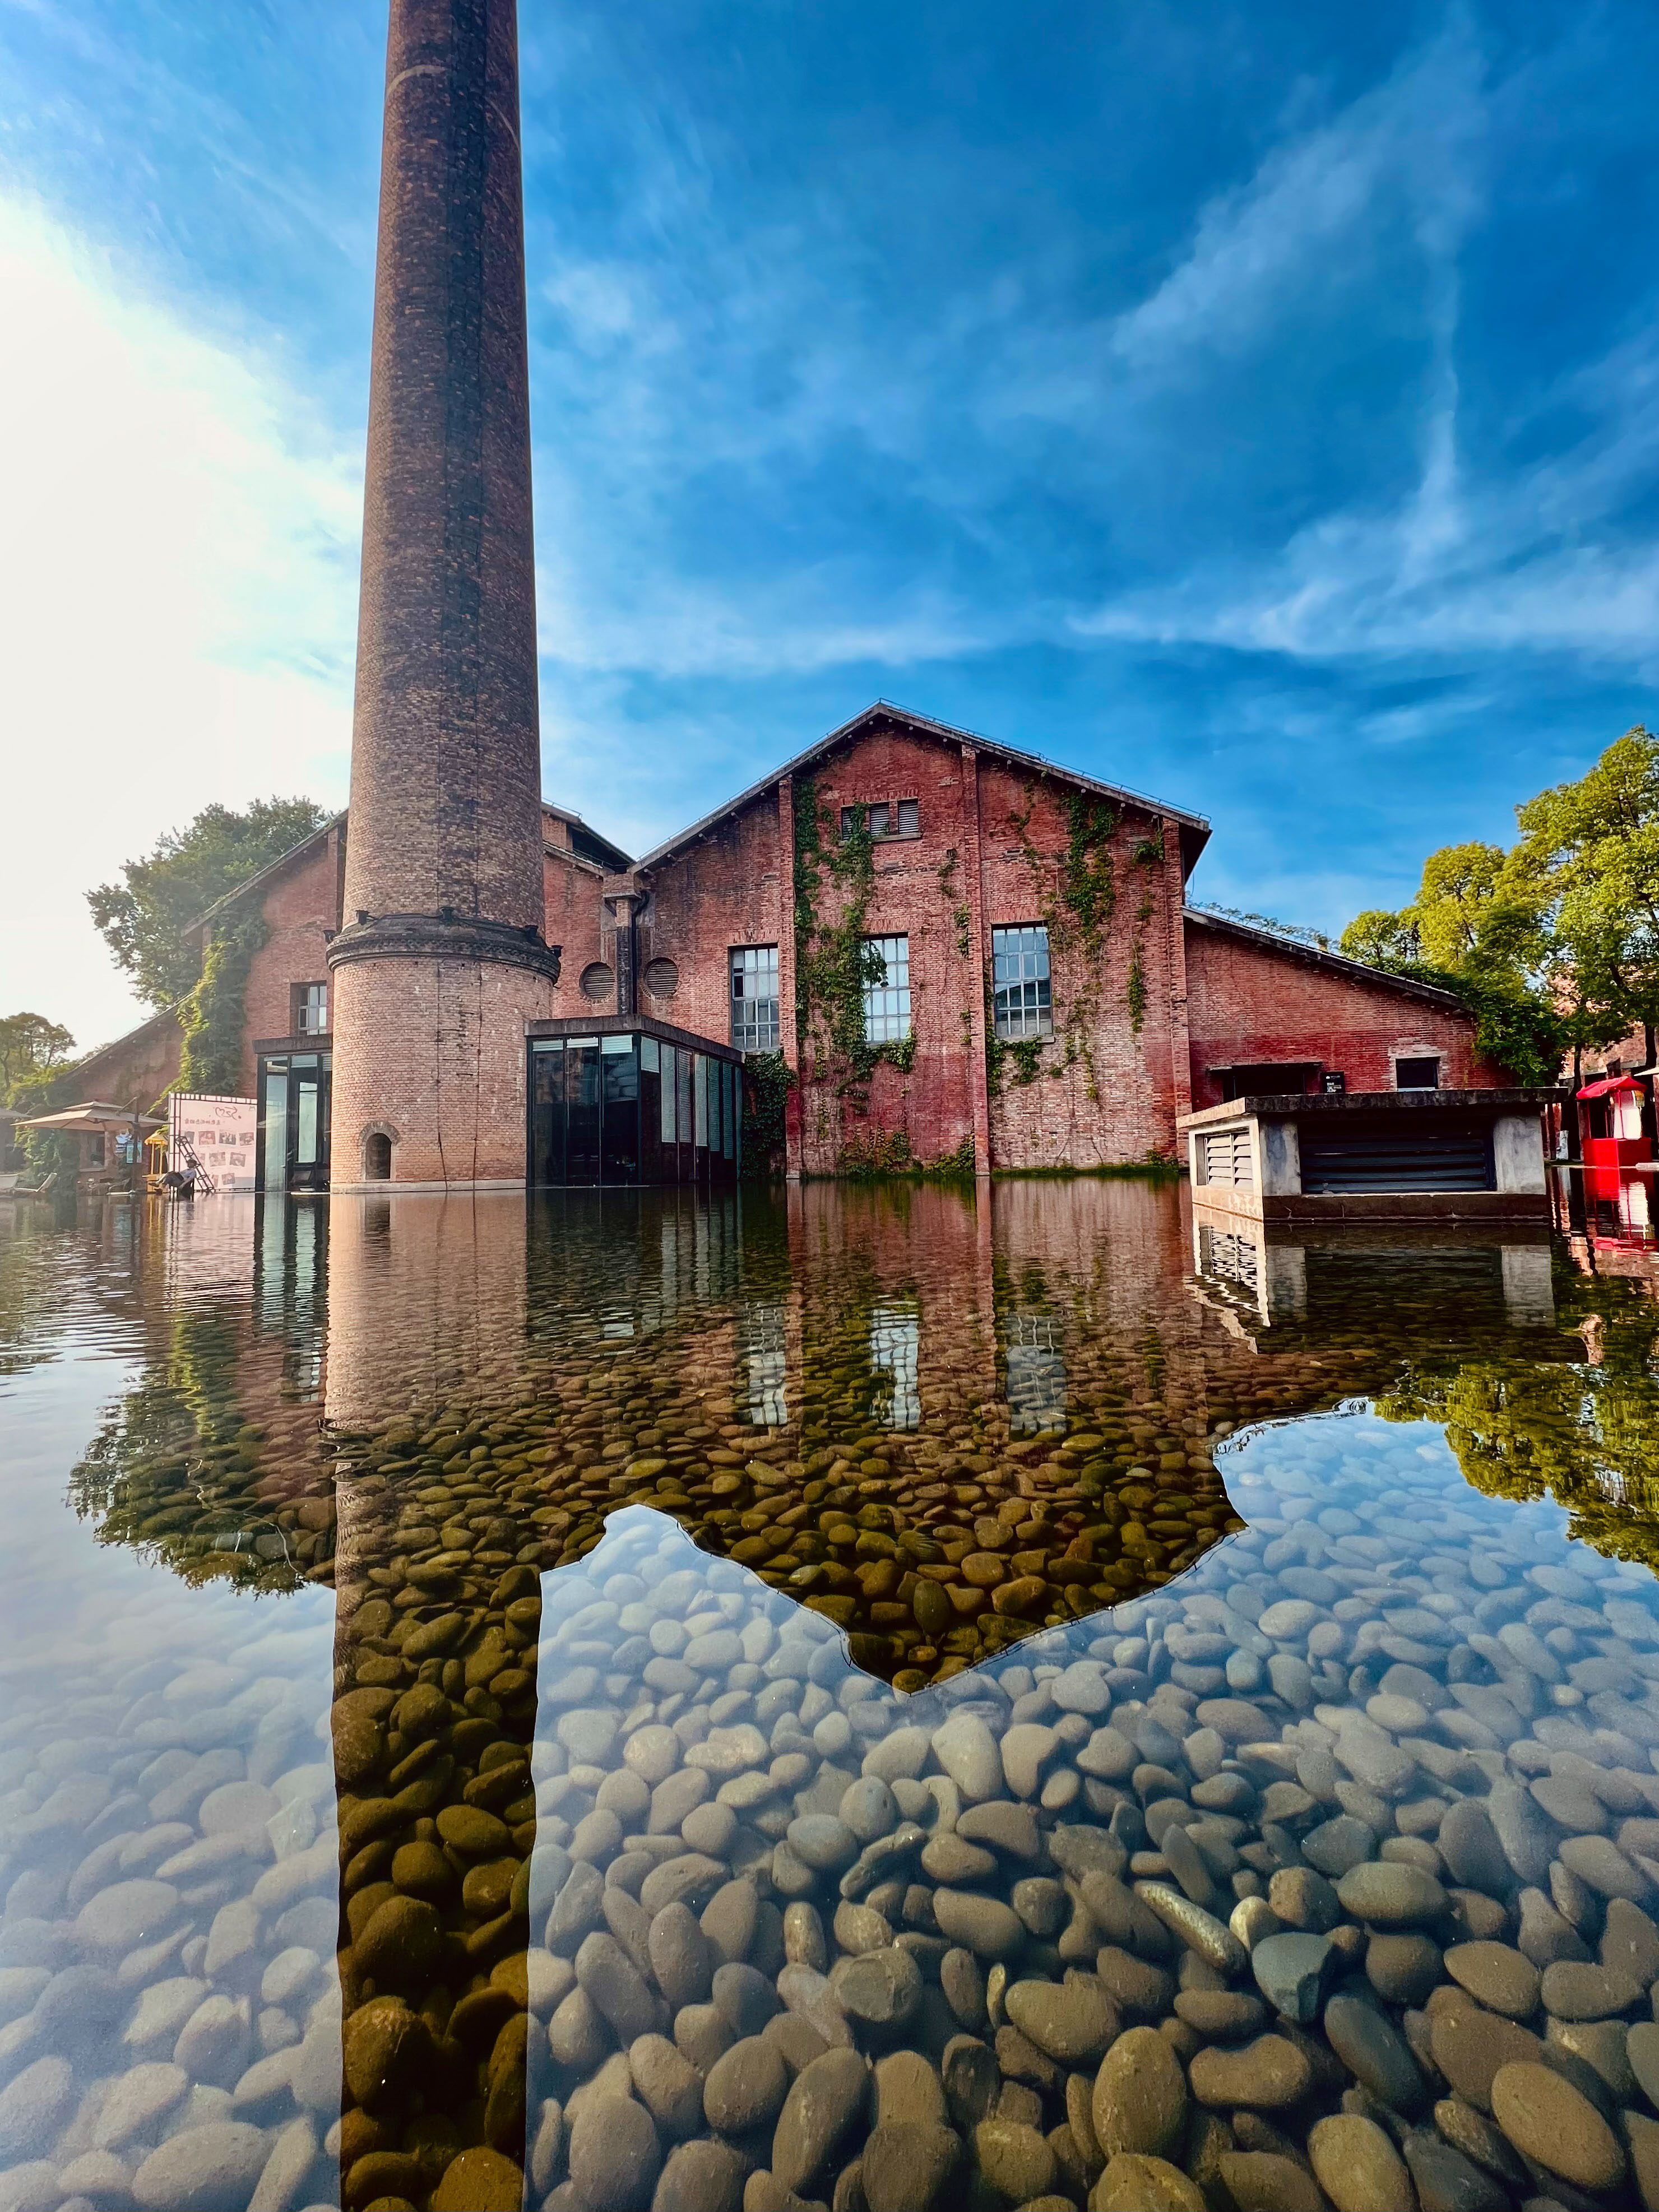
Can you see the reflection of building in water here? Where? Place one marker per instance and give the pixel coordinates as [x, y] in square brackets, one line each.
[763, 1361]
[290, 1288]
[1271, 1277]
[1036, 1372]
[426, 1297]
[894, 1346]
[623, 1264]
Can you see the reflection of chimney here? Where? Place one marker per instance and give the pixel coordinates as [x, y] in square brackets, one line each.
[623, 906]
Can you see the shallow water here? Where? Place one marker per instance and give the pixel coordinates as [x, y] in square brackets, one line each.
[626, 1702]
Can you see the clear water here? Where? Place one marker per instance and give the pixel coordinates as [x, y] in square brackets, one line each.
[620, 1702]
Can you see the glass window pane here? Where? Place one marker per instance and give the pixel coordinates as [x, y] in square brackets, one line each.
[648, 1056]
[755, 997]
[669, 1088]
[305, 1150]
[276, 1127]
[1024, 1004]
[887, 1001]
[909, 818]
[879, 817]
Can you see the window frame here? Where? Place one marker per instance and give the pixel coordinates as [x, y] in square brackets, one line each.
[300, 995]
[1435, 1059]
[878, 1028]
[734, 998]
[892, 813]
[1032, 1019]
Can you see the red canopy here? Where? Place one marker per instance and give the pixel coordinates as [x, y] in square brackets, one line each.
[1600, 1089]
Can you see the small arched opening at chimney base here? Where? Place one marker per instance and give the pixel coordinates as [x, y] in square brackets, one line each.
[377, 1156]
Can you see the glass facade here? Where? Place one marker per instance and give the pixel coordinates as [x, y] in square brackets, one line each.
[293, 1095]
[1023, 1002]
[755, 998]
[887, 1003]
[629, 1109]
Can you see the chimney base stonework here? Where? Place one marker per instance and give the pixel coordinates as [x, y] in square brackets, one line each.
[438, 1053]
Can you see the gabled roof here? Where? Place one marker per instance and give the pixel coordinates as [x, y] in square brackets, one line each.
[1333, 963]
[585, 841]
[1194, 829]
[240, 891]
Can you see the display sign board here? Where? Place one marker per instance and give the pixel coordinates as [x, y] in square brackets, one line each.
[221, 1132]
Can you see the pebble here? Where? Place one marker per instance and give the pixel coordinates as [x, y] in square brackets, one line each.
[1132, 2182]
[1388, 1894]
[1357, 2166]
[1293, 1971]
[205, 2169]
[746, 2087]
[1265, 2073]
[905, 2165]
[1548, 2119]
[823, 2103]
[1375, 2052]
[1140, 2096]
[1499, 1977]
[1073, 2021]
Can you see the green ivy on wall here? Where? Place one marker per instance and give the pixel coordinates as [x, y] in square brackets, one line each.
[767, 1080]
[214, 1016]
[834, 962]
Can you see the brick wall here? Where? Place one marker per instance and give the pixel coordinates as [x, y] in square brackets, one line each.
[574, 919]
[1250, 1001]
[301, 907]
[1109, 1089]
[143, 1065]
[732, 886]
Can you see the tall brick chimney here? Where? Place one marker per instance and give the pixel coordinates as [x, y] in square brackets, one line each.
[442, 960]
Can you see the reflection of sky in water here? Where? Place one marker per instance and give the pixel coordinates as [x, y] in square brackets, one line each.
[1407, 1588]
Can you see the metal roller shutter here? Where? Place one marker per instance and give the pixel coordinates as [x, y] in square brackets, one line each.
[1334, 1165]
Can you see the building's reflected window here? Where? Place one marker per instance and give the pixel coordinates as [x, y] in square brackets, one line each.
[895, 1343]
[1230, 1259]
[1036, 1373]
[763, 1360]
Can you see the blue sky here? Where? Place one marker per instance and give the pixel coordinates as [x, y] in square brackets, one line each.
[1257, 405]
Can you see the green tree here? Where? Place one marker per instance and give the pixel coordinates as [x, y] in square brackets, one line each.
[30, 1044]
[1589, 850]
[1480, 929]
[143, 917]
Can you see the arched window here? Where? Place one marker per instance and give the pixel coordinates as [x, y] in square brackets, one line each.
[377, 1156]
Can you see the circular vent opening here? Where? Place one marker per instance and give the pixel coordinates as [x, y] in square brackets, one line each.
[662, 978]
[598, 979]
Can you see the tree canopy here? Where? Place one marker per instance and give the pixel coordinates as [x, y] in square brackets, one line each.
[30, 1045]
[1554, 942]
[143, 917]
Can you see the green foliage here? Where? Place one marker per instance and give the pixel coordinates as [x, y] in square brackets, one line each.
[1554, 943]
[212, 1017]
[43, 1091]
[1088, 889]
[868, 1154]
[144, 916]
[768, 1078]
[30, 1046]
[1589, 855]
[1135, 991]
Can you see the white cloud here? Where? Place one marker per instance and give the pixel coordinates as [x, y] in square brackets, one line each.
[178, 597]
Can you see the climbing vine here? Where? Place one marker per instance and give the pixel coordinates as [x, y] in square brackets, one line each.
[212, 1016]
[960, 915]
[767, 1079]
[834, 962]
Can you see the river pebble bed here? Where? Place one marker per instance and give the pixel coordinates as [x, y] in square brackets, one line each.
[497, 1859]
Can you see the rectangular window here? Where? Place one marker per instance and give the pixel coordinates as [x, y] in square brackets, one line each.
[1024, 1004]
[1422, 1074]
[310, 1009]
[887, 999]
[755, 997]
[888, 818]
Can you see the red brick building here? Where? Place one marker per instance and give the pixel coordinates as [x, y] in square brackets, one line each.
[965, 953]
